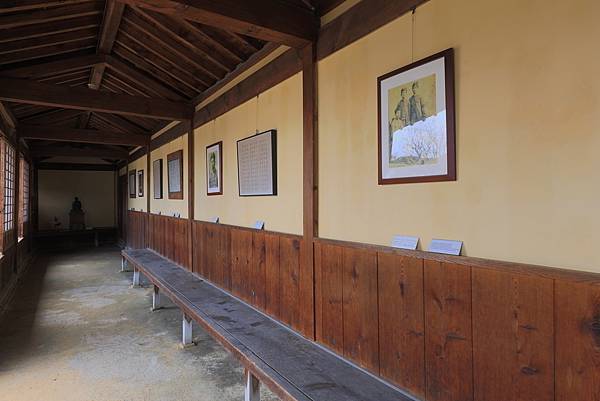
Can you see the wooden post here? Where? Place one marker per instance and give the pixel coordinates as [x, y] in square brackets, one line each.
[191, 194]
[147, 193]
[252, 387]
[309, 183]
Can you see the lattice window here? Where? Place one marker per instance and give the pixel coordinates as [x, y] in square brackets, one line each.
[9, 188]
[23, 196]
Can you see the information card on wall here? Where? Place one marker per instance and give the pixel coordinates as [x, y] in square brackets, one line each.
[445, 246]
[257, 164]
[405, 242]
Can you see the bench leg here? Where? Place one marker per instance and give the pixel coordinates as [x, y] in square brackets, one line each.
[252, 391]
[186, 338]
[156, 299]
[136, 277]
[123, 264]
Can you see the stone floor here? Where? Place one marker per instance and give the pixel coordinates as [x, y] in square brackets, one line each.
[77, 331]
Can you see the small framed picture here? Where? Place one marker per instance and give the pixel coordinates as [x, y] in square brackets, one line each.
[132, 186]
[140, 177]
[175, 174]
[157, 178]
[416, 122]
[214, 169]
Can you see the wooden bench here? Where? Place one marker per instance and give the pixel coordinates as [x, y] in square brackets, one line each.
[293, 367]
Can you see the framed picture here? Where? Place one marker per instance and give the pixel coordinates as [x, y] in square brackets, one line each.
[257, 164]
[157, 178]
[416, 133]
[214, 169]
[140, 176]
[132, 188]
[175, 174]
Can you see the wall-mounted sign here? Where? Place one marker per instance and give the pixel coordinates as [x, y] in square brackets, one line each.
[445, 246]
[405, 242]
[257, 164]
[259, 225]
[140, 177]
[132, 188]
[157, 178]
[214, 220]
[214, 169]
[175, 174]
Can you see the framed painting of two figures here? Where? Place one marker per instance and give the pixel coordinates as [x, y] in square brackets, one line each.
[416, 122]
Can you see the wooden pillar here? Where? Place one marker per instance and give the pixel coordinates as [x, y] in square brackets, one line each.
[191, 194]
[17, 185]
[147, 193]
[310, 187]
[126, 220]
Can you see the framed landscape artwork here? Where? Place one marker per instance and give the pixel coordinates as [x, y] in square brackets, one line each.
[214, 169]
[175, 174]
[140, 175]
[157, 178]
[132, 188]
[416, 133]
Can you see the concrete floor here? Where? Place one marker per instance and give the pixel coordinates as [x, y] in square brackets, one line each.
[77, 331]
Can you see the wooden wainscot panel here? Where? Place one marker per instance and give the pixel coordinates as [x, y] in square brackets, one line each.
[136, 229]
[199, 248]
[241, 257]
[222, 270]
[258, 270]
[401, 325]
[513, 336]
[289, 266]
[448, 340]
[577, 341]
[272, 277]
[360, 307]
[329, 292]
[306, 294]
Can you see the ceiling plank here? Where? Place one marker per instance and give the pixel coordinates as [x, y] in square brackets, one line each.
[72, 151]
[269, 20]
[48, 51]
[34, 31]
[51, 14]
[54, 67]
[48, 40]
[7, 115]
[81, 135]
[24, 91]
[110, 26]
[11, 6]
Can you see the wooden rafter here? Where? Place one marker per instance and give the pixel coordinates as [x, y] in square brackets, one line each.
[110, 26]
[63, 65]
[24, 91]
[27, 5]
[48, 15]
[269, 20]
[72, 151]
[81, 135]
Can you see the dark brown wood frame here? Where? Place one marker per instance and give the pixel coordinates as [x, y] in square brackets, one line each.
[273, 163]
[220, 145]
[132, 173]
[448, 56]
[158, 162]
[140, 183]
[177, 155]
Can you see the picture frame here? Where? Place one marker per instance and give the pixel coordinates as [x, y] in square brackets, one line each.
[157, 178]
[214, 169]
[140, 179]
[257, 164]
[132, 184]
[416, 122]
[175, 174]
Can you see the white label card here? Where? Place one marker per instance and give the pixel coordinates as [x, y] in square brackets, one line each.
[214, 220]
[259, 225]
[445, 246]
[405, 242]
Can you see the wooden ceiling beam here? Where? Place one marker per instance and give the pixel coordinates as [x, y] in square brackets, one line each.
[34, 31]
[27, 5]
[269, 20]
[110, 27]
[81, 135]
[48, 51]
[48, 40]
[7, 115]
[51, 14]
[24, 91]
[72, 151]
[67, 64]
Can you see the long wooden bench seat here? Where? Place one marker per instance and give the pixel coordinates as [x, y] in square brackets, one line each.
[293, 367]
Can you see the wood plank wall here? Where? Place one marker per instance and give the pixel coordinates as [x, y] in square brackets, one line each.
[263, 268]
[442, 328]
[136, 229]
[448, 331]
[168, 236]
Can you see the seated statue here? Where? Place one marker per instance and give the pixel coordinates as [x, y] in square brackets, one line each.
[77, 216]
[76, 204]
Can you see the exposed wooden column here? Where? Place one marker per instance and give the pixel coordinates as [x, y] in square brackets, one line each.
[147, 192]
[126, 220]
[191, 194]
[309, 175]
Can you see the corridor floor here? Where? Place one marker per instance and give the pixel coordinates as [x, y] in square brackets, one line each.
[77, 331]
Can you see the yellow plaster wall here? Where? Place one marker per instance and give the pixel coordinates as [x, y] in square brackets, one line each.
[165, 205]
[528, 133]
[281, 108]
[58, 188]
[138, 203]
